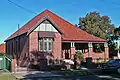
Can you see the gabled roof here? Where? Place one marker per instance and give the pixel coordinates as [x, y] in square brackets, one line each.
[69, 31]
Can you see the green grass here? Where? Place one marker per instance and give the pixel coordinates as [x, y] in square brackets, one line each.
[7, 77]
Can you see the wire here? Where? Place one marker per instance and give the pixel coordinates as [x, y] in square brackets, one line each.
[22, 7]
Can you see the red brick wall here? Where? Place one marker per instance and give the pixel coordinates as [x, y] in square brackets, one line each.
[72, 52]
[24, 48]
[14, 66]
[33, 41]
[18, 46]
[33, 44]
[107, 52]
[2, 48]
[57, 46]
[97, 55]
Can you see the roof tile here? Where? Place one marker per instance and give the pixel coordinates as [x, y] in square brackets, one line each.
[70, 31]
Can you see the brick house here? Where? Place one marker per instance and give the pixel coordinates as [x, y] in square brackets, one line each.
[2, 48]
[48, 34]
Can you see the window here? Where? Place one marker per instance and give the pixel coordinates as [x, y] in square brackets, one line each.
[41, 45]
[98, 48]
[81, 47]
[50, 46]
[45, 44]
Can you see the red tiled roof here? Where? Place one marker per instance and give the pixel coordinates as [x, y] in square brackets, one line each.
[2, 48]
[70, 31]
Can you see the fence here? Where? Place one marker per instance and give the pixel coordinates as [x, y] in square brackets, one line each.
[5, 63]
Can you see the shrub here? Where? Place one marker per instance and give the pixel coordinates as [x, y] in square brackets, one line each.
[54, 67]
[2, 54]
[79, 56]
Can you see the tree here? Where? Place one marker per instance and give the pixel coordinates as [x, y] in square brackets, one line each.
[102, 27]
[97, 25]
[117, 33]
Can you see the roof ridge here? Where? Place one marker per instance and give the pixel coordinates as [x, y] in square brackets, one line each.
[72, 24]
[60, 17]
[69, 30]
[75, 26]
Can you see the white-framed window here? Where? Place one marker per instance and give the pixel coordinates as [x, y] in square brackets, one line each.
[45, 44]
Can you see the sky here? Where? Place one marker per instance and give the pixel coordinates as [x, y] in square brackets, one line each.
[70, 10]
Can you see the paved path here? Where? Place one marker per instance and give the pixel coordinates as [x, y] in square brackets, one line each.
[47, 76]
[35, 74]
[40, 75]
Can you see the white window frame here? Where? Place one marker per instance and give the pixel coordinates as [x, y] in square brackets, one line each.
[47, 40]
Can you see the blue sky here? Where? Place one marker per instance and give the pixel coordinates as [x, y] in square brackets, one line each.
[71, 10]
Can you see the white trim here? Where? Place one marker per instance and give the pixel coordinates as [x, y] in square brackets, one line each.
[47, 44]
[90, 44]
[46, 27]
[76, 41]
[72, 44]
[105, 44]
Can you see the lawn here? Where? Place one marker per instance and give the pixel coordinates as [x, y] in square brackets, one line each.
[7, 77]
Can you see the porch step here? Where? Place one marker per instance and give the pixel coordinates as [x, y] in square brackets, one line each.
[24, 69]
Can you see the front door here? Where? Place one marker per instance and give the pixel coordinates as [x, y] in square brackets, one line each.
[67, 54]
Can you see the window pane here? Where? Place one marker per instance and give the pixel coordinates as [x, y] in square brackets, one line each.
[50, 46]
[45, 46]
[45, 39]
[50, 39]
[41, 45]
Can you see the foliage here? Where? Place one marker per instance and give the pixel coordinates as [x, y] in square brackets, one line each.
[112, 46]
[97, 25]
[79, 56]
[98, 48]
[117, 32]
[2, 54]
[101, 26]
[113, 49]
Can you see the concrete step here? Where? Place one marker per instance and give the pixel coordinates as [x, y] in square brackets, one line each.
[21, 69]
[24, 69]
